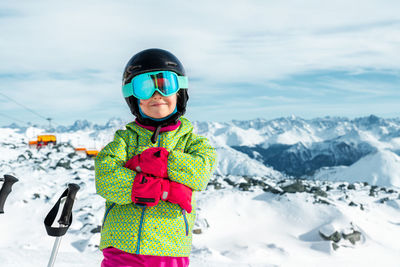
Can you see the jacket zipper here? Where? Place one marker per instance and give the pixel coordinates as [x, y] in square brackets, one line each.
[140, 228]
[106, 214]
[142, 216]
[183, 211]
[186, 222]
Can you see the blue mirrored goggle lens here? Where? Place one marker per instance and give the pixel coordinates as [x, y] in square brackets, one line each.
[165, 82]
[144, 85]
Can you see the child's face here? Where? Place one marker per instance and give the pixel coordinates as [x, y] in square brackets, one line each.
[158, 106]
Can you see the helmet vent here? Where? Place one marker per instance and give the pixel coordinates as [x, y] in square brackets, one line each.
[170, 63]
[132, 68]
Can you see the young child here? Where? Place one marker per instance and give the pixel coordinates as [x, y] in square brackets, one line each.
[150, 172]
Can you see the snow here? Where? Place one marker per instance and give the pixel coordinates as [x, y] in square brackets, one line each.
[379, 168]
[231, 161]
[252, 227]
[295, 136]
[262, 229]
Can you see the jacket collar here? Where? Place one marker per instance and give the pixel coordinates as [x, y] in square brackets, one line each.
[168, 128]
[184, 128]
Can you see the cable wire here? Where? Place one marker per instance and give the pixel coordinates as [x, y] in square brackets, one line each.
[29, 109]
[12, 118]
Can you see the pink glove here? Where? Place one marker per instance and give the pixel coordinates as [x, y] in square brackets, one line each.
[178, 194]
[153, 161]
[146, 190]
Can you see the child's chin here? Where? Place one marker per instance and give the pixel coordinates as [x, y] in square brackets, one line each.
[160, 115]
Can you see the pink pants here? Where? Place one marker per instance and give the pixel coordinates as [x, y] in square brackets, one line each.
[117, 258]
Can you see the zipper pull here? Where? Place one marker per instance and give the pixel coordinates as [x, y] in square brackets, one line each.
[154, 137]
[186, 222]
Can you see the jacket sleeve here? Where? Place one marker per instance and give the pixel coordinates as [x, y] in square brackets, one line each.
[194, 166]
[114, 181]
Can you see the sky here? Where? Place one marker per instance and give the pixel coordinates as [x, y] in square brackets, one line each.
[245, 59]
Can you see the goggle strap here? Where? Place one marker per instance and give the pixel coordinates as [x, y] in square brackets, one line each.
[183, 82]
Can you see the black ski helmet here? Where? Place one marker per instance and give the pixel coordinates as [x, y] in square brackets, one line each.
[154, 59]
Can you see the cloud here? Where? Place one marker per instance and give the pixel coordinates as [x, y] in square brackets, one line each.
[67, 58]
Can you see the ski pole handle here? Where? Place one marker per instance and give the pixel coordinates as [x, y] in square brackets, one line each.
[9, 180]
[69, 202]
[64, 221]
[66, 215]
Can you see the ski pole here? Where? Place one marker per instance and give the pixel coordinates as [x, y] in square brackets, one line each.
[64, 221]
[5, 190]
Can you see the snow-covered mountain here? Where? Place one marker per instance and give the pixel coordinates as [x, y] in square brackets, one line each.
[300, 148]
[255, 212]
[379, 167]
[290, 146]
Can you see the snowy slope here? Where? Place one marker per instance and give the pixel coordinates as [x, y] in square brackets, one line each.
[381, 167]
[232, 162]
[263, 229]
[250, 215]
[300, 148]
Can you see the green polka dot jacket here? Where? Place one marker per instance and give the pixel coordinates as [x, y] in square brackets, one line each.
[165, 229]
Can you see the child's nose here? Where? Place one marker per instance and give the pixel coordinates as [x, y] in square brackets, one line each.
[156, 95]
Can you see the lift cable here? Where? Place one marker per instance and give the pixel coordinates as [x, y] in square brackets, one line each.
[29, 109]
[12, 118]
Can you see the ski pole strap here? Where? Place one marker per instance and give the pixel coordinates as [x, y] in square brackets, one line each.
[66, 216]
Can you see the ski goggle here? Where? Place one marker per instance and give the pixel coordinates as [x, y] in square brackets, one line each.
[144, 85]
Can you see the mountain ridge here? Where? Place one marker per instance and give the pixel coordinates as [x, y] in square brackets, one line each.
[290, 146]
